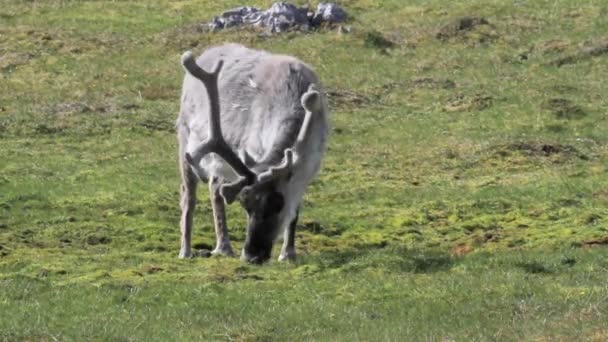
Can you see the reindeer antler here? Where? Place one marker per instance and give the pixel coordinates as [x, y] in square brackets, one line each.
[215, 142]
[310, 103]
[281, 170]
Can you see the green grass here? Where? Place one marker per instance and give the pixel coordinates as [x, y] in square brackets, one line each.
[366, 296]
[463, 196]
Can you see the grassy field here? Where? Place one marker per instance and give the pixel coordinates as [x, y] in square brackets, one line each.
[464, 194]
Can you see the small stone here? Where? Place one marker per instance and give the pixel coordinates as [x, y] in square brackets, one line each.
[203, 253]
[344, 29]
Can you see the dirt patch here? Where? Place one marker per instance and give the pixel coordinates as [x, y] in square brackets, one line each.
[75, 108]
[94, 240]
[72, 108]
[523, 23]
[461, 103]
[563, 108]
[551, 152]
[539, 149]
[248, 277]
[377, 40]
[552, 46]
[568, 261]
[597, 49]
[601, 194]
[153, 269]
[492, 236]
[468, 28]
[158, 125]
[317, 228]
[534, 267]
[347, 98]
[10, 61]
[416, 83]
[563, 89]
[430, 263]
[588, 51]
[44, 129]
[158, 92]
[459, 26]
[596, 242]
[593, 219]
[154, 248]
[462, 250]
[3, 129]
[568, 202]
[431, 83]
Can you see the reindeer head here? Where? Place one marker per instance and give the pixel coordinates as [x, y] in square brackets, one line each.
[258, 187]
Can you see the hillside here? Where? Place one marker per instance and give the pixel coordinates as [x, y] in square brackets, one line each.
[463, 195]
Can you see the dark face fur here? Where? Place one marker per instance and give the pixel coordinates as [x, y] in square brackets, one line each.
[263, 205]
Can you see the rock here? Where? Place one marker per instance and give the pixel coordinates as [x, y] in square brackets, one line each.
[329, 13]
[280, 17]
[204, 253]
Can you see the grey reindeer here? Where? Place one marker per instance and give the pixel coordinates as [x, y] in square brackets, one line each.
[258, 136]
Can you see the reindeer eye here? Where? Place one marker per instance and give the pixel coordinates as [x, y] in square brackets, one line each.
[274, 204]
[247, 202]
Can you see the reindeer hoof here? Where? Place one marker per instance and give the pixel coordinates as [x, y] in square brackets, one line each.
[227, 252]
[185, 254]
[287, 257]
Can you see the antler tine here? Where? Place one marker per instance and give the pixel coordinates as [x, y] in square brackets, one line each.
[210, 82]
[309, 103]
[280, 170]
[215, 142]
[230, 191]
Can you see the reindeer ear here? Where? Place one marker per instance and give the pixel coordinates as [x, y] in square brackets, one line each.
[230, 191]
[311, 100]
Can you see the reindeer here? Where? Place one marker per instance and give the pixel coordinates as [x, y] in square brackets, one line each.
[258, 136]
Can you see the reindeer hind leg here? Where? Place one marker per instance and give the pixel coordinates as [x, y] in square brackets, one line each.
[222, 246]
[187, 204]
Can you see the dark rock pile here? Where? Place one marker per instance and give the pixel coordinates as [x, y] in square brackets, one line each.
[280, 17]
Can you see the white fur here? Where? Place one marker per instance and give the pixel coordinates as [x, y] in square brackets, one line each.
[260, 105]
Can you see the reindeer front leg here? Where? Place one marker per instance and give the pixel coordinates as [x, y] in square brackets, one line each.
[288, 251]
[222, 246]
